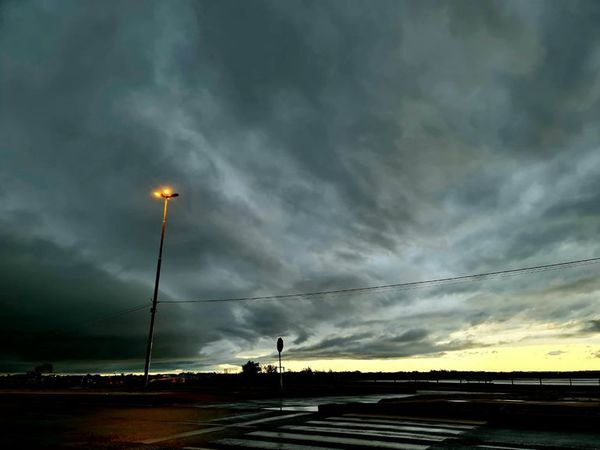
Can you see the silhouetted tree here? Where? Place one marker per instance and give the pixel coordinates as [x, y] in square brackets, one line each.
[251, 368]
[270, 369]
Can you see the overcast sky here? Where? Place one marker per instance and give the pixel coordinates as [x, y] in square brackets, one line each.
[315, 145]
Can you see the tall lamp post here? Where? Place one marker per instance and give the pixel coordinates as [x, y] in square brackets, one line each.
[167, 195]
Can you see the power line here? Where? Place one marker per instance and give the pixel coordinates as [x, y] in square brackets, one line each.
[407, 285]
[351, 291]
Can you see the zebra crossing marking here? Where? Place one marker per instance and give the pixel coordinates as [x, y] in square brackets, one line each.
[351, 431]
[453, 422]
[197, 448]
[271, 419]
[503, 447]
[388, 434]
[240, 416]
[447, 425]
[446, 432]
[339, 440]
[269, 445]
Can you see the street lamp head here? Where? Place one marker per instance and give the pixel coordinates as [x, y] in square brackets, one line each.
[165, 193]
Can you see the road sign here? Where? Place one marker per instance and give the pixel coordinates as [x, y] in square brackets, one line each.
[279, 345]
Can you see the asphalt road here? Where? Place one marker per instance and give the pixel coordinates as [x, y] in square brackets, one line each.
[61, 421]
[111, 421]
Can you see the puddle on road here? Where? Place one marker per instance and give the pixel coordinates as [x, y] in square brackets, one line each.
[312, 404]
[302, 404]
[310, 408]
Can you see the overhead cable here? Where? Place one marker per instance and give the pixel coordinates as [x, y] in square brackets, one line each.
[405, 285]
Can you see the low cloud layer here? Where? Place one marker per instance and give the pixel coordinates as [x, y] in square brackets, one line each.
[316, 145]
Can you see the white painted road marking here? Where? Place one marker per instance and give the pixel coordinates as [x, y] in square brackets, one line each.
[364, 432]
[412, 421]
[269, 445]
[271, 419]
[241, 416]
[338, 440]
[413, 436]
[183, 435]
[444, 431]
[503, 447]
[467, 424]
[197, 448]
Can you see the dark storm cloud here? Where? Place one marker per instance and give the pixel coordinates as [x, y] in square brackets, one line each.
[316, 145]
[592, 326]
[550, 103]
[366, 346]
[415, 334]
[57, 306]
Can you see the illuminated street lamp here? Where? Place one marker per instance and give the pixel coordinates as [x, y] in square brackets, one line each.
[167, 195]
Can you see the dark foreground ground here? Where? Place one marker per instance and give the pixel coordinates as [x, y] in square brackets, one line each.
[370, 416]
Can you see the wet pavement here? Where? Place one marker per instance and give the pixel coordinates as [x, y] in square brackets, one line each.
[310, 404]
[300, 431]
[288, 424]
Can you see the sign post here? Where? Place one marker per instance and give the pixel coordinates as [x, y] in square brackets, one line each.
[279, 350]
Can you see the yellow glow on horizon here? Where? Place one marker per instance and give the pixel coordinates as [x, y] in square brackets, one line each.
[539, 357]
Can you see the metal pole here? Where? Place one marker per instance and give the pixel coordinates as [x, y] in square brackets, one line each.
[155, 297]
[280, 374]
